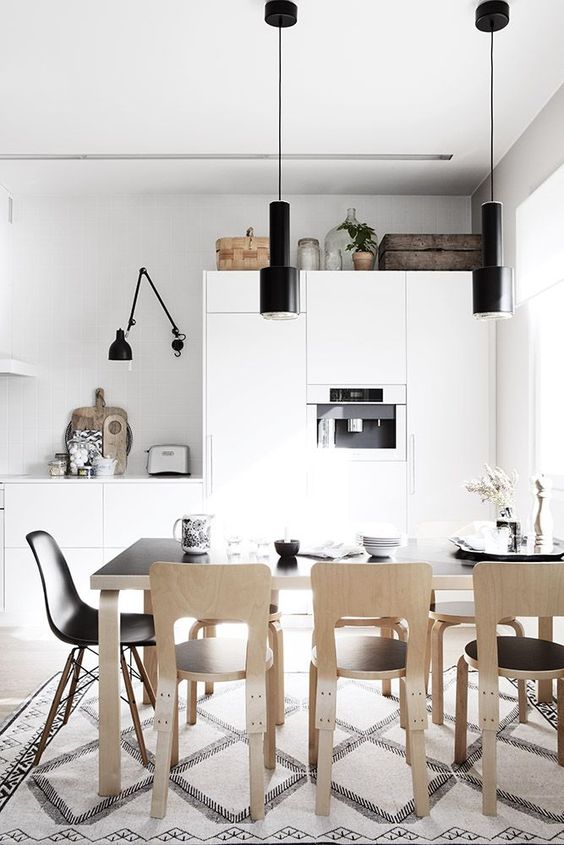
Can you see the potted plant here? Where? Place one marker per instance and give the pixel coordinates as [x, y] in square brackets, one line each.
[363, 244]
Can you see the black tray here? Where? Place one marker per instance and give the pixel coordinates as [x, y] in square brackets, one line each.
[471, 556]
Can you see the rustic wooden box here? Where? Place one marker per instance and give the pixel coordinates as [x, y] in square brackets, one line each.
[430, 252]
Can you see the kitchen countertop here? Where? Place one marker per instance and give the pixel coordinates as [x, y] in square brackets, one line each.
[107, 479]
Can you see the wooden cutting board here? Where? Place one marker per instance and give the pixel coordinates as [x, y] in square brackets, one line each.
[93, 417]
[114, 441]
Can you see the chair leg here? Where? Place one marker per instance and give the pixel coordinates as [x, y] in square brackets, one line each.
[430, 624]
[209, 631]
[74, 682]
[174, 753]
[437, 687]
[461, 719]
[54, 707]
[162, 770]
[324, 766]
[133, 709]
[489, 773]
[148, 690]
[192, 689]
[416, 740]
[386, 684]
[521, 685]
[256, 776]
[270, 733]
[403, 712]
[560, 714]
[276, 637]
[313, 733]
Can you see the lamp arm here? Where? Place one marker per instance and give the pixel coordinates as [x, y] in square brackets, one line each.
[177, 344]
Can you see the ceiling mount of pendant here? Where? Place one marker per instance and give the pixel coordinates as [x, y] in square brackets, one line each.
[280, 13]
[492, 15]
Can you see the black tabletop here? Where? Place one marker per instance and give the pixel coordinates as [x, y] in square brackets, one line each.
[138, 558]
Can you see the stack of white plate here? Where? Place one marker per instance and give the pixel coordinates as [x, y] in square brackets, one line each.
[383, 543]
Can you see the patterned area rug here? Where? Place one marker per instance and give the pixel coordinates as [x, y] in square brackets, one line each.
[208, 800]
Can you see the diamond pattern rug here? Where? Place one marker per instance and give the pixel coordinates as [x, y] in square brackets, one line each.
[208, 799]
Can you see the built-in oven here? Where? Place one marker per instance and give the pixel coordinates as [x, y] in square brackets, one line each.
[369, 421]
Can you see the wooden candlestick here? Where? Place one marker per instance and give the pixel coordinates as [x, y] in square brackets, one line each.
[544, 522]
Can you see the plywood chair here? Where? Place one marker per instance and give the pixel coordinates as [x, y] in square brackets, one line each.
[217, 592]
[345, 590]
[502, 590]
[446, 614]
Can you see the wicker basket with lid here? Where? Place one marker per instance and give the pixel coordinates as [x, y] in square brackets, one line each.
[242, 253]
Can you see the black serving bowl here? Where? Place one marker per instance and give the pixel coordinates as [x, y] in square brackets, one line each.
[287, 549]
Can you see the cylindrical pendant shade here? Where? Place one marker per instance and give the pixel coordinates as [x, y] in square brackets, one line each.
[120, 350]
[279, 293]
[492, 235]
[279, 233]
[492, 293]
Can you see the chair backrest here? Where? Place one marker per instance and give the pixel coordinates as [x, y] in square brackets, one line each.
[208, 591]
[370, 590]
[62, 601]
[502, 590]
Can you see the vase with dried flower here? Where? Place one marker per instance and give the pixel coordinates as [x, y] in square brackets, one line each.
[498, 488]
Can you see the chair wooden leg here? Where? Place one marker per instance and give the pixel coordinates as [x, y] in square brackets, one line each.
[402, 703]
[54, 707]
[270, 733]
[430, 624]
[560, 714]
[324, 766]
[133, 709]
[72, 688]
[276, 637]
[256, 776]
[461, 719]
[162, 771]
[386, 684]
[437, 687]
[209, 631]
[174, 753]
[148, 691]
[192, 703]
[489, 773]
[419, 772]
[521, 685]
[313, 732]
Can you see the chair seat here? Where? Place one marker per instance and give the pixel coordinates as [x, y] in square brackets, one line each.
[214, 659]
[526, 655]
[457, 612]
[81, 628]
[369, 657]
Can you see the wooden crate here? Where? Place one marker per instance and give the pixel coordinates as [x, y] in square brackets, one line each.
[430, 252]
[243, 253]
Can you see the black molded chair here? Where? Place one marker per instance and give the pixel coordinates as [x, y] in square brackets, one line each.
[76, 623]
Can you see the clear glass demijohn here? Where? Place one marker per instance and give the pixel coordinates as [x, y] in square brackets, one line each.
[339, 239]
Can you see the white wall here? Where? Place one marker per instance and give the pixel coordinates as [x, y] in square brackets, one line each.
[75, 268]
[5, 276]
[536, 154]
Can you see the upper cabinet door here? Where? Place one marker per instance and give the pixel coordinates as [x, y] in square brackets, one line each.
[237, 292]
[356, 328]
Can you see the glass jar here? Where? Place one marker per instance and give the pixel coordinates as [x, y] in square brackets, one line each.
[338, 239]
[79, 454]
[64, 457]
[333, 260]
[57, 468]
[309, 257]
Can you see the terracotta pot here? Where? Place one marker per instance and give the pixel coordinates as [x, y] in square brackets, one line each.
[363, 260]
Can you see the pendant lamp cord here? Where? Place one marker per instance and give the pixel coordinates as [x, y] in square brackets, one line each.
[492, 116]
[279, 113]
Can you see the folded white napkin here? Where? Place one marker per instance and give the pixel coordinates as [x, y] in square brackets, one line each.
[474, 541]
[331, 551]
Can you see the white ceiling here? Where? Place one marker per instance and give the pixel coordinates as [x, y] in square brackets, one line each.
[187, 76]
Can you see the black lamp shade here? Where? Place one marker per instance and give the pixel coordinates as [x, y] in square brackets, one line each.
[279, 284]
[492, 284]
[120, 350]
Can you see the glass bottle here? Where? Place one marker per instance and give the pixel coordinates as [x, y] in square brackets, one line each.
[338, 239]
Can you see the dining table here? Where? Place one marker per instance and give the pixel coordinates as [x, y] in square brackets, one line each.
[130, 569]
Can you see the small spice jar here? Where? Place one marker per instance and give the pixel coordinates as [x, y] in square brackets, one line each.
[64, 457]
[85, 472]
[57, 468]
[308, 254]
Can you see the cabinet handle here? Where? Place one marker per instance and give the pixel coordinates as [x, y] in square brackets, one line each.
[209, 473]
[411, 464]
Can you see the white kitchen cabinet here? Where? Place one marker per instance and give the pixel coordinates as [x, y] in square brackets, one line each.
[146, 509]
[449, 397]
[238, 292]
[356, 328]
[255, 422]
[70, 511]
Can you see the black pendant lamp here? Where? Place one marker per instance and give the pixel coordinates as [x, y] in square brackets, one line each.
[279, 286]
[492, 284]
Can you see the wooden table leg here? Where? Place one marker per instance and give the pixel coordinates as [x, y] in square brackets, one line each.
[149, 653]
[109, 759]
[544, 688]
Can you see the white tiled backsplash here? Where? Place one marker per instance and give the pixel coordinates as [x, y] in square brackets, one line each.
[74, 269]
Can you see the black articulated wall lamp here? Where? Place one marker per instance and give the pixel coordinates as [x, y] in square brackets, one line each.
[279, 286]
[492, 284]
[120, 350]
